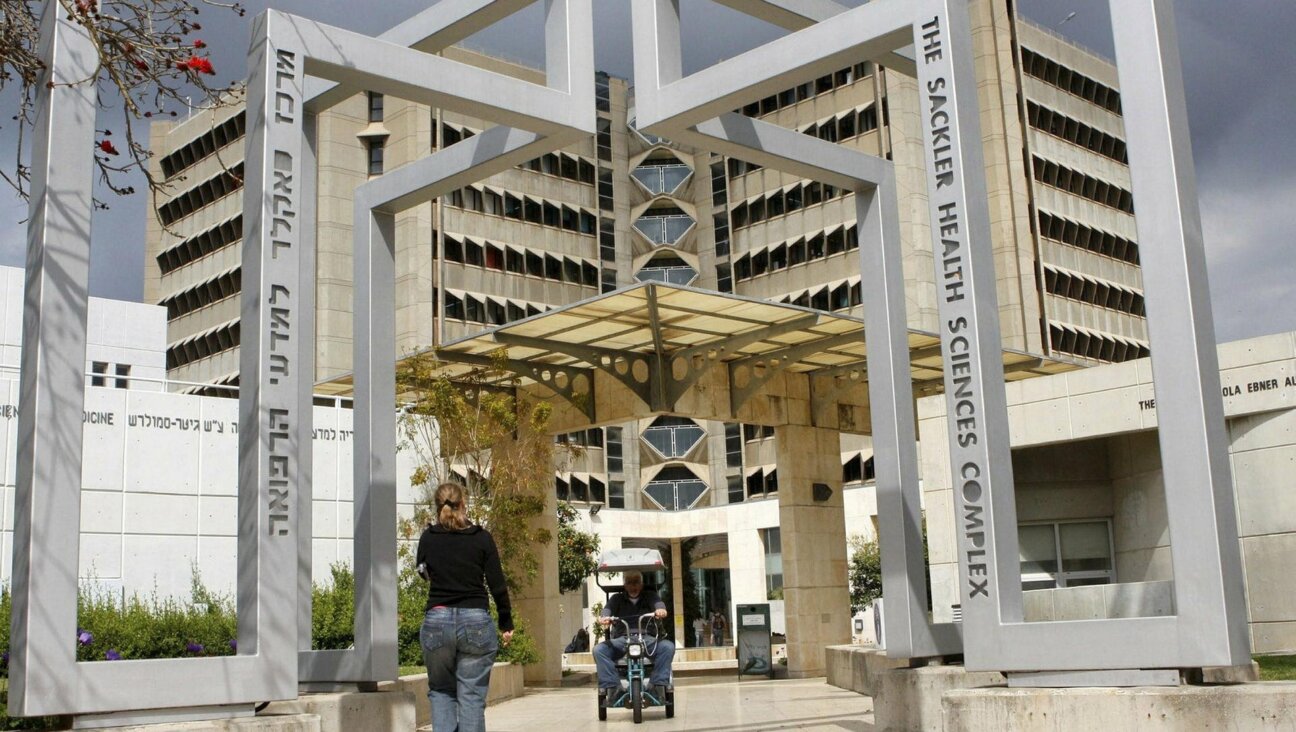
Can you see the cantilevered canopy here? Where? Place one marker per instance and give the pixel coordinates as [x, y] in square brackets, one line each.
[657, 341]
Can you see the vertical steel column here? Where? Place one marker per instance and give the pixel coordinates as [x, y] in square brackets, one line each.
[47, 503]
[309, 177]
[374, 349]
[909, 633]
[272, 426]
[1185, 366]
[980, 455]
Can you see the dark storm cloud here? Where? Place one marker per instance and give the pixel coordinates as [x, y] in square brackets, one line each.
[1239, 69]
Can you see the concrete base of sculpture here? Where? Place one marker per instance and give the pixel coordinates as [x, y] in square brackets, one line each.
[356, 711]
[1240, 707]
[858, 667]
[952, 699]
[910, 699]
[265, 722]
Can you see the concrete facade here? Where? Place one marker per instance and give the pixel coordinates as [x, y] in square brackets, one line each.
[1085, 451]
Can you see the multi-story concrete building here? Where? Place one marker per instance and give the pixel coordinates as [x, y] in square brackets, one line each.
[626, 206]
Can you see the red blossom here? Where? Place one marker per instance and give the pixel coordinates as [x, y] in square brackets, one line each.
[199, 64]
[108, 147]
[199, 43]
[141, 64]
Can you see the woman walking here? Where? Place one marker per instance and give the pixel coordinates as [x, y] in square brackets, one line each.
[458, 638]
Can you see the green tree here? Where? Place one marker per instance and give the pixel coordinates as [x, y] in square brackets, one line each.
[865, 572]
[475, 431]
[577, 550]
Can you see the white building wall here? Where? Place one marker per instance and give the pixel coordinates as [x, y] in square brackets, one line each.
[1114, 407]
[159, 495]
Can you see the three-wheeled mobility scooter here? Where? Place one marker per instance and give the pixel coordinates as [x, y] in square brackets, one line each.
[634, 667]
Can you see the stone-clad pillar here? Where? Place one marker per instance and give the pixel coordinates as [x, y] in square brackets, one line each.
[813, 534]
[540, 604]
[682, 637]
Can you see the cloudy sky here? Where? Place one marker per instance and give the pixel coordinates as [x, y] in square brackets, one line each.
[1239, 66]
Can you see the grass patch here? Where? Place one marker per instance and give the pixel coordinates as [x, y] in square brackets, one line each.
[1277, 668]
[411, 670]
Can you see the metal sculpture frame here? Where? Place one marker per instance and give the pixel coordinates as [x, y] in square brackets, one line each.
[554, 115]
[1210, 627]
[45, 677]
[278, 307]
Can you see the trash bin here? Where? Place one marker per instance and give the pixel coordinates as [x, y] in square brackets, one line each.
[755, 653]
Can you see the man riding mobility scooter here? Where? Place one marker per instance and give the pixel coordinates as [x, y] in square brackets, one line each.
[634, 660]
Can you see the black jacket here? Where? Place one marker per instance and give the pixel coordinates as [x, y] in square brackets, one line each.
[455, 562]
[619, 605]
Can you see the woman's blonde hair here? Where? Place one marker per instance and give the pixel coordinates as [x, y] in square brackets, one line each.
[451, 508]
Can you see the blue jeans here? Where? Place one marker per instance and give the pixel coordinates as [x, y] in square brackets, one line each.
[607, 653]
[459, 647]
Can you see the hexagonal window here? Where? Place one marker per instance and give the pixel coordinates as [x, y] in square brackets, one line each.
[660, 177]
[669, 269]
[673, 437]
[664, 225]
[675, 488]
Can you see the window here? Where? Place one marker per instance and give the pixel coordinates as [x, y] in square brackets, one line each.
[613, 451]
[733, 445]
[375, 107]
[675, 488]
[616, 494]
[1069, 554]
[97, 371]
[123, 374]
[375, 156]
[735, 486]
[773, 543]
[673, 437]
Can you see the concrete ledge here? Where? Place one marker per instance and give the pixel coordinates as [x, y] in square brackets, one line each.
[264, 722]
[1243, 707]
[858, 668]
[909, 699]
[354, 711]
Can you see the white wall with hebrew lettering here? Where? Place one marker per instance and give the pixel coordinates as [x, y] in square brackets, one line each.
[159, 484]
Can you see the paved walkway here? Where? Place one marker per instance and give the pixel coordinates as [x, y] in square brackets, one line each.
[715, 704]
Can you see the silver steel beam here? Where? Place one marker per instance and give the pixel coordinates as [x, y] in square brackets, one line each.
[45, 677]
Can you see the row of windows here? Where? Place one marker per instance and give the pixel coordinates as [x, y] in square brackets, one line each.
[1096, 190]
[1077, 133]
[209, 191]
[203, 345]
[1102, 294]
[1051, 72]
[530, 262]
[760, 483]
[858, 469]
[783, 201]
[203, 294]
[560, 164]
[487, 310]
[828, 298]
[822, 85]
[845, 125]
[800, 251]
[1093, 345]
[99, 374]
[1085, 237]
[592, 437]
[200, 245]
[837, 129]
[206, 144]
[524, 208]
[578, 489]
